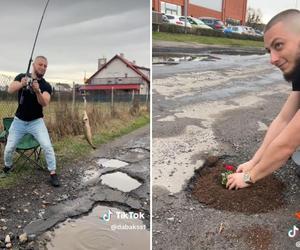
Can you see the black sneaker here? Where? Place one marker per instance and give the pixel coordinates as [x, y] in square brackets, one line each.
[54, 180]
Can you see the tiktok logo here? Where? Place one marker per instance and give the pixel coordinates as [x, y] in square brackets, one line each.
[292, 232]
[106, 217]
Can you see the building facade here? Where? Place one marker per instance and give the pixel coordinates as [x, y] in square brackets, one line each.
[225, 10]
[119, 75]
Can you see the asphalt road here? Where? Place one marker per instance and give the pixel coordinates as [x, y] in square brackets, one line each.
[38, 208]
[214, 107]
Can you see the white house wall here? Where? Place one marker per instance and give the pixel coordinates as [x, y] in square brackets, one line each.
[144, 88]
[116, 68]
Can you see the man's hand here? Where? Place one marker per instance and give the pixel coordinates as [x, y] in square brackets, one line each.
[36, 87]
[24, 81]
[236, 181]
[245, 167]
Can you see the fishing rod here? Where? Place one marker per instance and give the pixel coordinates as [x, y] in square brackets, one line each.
[29, 78]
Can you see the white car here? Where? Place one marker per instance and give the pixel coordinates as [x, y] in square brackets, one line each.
[195, 22]
[175, 20]
[250, 31]
[236, 29]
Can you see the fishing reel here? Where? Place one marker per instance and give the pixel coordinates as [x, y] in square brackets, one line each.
[29, 84]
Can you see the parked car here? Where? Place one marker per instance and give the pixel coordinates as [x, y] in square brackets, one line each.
[213, 22]
[165, 19]
[250, 31]
[173, 19]
[236, 29]
[259, 33]
[195, 22]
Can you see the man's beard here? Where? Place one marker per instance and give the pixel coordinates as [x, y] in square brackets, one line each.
[38, 75]
[294, 75]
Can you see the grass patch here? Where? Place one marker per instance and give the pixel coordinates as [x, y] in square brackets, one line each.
[72, 148]
[205, 39]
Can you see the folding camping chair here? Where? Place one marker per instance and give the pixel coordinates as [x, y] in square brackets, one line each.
[28, 148]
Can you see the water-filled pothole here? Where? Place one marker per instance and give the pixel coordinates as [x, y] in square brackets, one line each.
[111, 163]
[101, 160]
[120, 181]
[93, 233]
[265, 195]
[175, 59]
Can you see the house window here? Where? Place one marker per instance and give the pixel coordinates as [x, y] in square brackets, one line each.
[169, 8]
[126, 75]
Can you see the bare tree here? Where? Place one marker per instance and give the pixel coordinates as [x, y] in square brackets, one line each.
[254, 18]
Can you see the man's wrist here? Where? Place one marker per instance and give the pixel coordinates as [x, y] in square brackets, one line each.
[248, 179]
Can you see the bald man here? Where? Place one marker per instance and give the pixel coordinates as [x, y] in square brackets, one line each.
[29, 116]
[282, 42]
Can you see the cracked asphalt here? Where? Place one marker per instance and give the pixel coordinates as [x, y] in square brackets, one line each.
[223, 108]
[46, 207]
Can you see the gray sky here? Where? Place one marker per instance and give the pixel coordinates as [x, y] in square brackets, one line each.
[270, 8]
[74, 34]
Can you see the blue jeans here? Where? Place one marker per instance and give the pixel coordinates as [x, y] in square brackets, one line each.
[38, 129]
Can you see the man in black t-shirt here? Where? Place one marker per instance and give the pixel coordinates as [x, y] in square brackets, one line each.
[282, 41]
[29, 115]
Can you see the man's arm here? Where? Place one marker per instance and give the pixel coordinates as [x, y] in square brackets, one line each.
[286, 114]
[43, 98]
[279, 150]
[17, 85]
[286, 138]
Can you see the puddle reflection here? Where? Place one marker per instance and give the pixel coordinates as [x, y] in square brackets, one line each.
[111, 163]
[92, 233]
[120, 181]
[172, 60]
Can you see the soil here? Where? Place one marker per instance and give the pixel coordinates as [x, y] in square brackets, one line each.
[206, 187]
[256, 237]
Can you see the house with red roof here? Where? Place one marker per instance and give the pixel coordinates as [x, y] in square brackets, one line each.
[120, 76]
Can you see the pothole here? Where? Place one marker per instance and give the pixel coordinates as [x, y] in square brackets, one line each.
[111, 163]
[101, 160]
[120, 181]
[175, 59]
[90, 176]
[93, 233]
[265, 195]
[139, 150]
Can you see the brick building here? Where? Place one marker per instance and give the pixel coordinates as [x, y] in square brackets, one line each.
[225, 10]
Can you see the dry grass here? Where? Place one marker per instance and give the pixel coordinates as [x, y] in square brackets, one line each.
[65, 123]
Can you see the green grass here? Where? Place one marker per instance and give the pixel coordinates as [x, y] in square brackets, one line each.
[204, 39]
[70, 149]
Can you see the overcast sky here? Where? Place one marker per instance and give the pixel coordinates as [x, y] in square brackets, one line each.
[74, 34]
[270, 8]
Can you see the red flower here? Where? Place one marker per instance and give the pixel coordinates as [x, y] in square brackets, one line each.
[229, 167]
